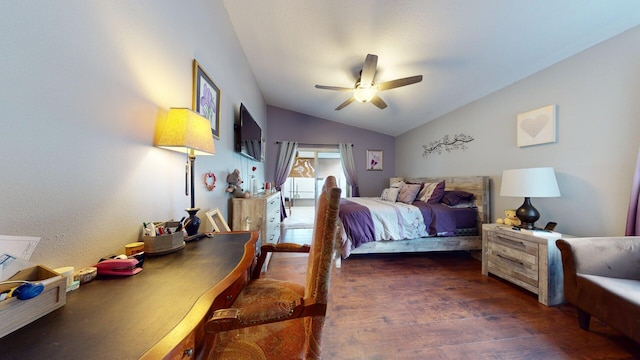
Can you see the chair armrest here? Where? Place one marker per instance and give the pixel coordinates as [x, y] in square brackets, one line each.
[617, 257]
[265, 313]
[282, 247]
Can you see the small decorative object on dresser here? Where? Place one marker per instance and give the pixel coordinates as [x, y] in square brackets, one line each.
[529, 259]
[234, 180]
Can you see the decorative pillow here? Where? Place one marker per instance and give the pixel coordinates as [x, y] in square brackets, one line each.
[385, 194]
[408, 193]
[457, 197]
[432, 192]
[397, 184]
[393, 194]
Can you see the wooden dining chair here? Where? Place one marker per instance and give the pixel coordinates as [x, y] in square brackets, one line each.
[275, 319]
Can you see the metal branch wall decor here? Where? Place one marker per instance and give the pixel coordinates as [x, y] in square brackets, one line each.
[459, 142]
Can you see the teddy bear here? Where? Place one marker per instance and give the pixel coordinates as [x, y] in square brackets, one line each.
[234, 188]
[510, 218]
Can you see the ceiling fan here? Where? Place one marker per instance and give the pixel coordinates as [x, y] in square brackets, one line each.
[365, 90]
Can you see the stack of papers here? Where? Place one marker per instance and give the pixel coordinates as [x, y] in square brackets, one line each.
[542, 233]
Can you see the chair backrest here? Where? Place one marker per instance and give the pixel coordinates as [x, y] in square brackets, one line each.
[320, 256]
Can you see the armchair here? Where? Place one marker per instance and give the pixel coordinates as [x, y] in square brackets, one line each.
[275, 319]
[602, 278]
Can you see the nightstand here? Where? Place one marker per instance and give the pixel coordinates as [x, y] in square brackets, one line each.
[530, 261]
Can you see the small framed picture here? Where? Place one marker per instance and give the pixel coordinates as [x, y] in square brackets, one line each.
[374, 159]
[206, 98]
[218, 222]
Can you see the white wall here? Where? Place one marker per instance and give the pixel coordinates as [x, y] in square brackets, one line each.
[598, 97]
[83, 84]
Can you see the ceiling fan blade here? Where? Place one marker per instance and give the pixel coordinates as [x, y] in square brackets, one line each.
[336, 88]
[349, 101]
[377, 101]
[369, 69]
[392, 84]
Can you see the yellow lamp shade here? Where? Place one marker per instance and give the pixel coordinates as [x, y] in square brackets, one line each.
[188, 132]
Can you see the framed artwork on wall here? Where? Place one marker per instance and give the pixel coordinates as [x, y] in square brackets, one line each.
[206, 98]
[218, 222]
[537, 126]
[374, 159]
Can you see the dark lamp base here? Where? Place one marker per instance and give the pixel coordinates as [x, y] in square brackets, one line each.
[527, 214]
[193, 222]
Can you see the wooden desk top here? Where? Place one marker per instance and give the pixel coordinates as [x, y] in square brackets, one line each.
[122, 318]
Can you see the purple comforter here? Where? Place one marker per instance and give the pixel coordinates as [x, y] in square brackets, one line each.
[439, 220]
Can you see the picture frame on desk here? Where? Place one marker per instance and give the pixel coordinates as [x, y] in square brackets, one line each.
[217, 220]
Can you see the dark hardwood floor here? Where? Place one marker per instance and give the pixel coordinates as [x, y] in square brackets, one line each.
[439, 306]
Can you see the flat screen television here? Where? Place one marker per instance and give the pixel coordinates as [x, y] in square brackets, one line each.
[248, 135]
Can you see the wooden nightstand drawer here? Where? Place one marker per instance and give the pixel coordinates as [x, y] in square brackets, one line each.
[528, 261]
[513, 259]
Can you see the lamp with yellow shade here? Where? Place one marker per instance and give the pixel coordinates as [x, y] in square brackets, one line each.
[187, 132]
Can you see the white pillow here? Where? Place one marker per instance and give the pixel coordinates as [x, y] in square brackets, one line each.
[385, 194]
[391, 194]
[398, 184]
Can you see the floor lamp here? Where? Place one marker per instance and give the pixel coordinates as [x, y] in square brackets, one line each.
[528, 183]
[188, 132]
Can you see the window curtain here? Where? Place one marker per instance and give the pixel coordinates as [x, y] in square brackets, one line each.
[633, 215]
[286, 157]
[349, 167]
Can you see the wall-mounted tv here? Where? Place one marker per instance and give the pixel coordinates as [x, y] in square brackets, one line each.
[248, 135]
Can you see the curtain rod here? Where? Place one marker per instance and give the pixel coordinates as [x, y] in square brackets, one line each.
[305, 144]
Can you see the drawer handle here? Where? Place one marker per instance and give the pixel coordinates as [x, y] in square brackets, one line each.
[511, 260]
[511, 240]
[188, 352]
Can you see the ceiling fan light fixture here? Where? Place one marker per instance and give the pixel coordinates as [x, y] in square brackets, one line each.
[364, 92]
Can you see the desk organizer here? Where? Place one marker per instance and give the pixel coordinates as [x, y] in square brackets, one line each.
[16, 313]
[164, 244]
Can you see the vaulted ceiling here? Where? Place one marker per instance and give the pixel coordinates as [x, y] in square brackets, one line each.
[464, 49]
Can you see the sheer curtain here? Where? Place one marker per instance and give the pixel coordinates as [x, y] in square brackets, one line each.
[633, 215]
[286, 157]
[349, 167]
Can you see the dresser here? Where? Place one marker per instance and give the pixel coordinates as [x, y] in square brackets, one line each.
[531, 262]
[157, 314]
[261, 213]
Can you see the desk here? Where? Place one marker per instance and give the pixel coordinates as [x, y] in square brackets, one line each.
[157, 313]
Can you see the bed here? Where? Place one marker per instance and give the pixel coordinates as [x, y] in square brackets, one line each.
[435, 223]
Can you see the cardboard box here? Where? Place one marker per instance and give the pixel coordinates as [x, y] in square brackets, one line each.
[16, 313]
[164, 244]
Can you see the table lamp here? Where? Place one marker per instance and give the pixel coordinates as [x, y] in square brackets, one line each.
[188, 132]
[528, 183]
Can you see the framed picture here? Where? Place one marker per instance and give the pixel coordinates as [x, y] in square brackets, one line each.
[374, 159]
[537, 126]
[206, 98]
[218, 222]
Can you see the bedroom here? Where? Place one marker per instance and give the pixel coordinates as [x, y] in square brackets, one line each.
[80, 171]
[110, 165]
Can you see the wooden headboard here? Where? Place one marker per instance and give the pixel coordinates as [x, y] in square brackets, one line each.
[479, 186]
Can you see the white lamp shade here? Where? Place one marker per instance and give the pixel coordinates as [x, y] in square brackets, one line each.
[188, 132]
[533, 182]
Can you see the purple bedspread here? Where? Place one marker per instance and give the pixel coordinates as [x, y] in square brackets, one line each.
[439, 219]
[357, 223]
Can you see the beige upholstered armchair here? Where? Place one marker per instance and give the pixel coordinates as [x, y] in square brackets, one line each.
[602, 278]
[274, 319]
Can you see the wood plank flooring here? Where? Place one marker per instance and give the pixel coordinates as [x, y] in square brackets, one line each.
[439, 306]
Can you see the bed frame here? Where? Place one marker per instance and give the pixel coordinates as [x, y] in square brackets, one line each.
[479, 186]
